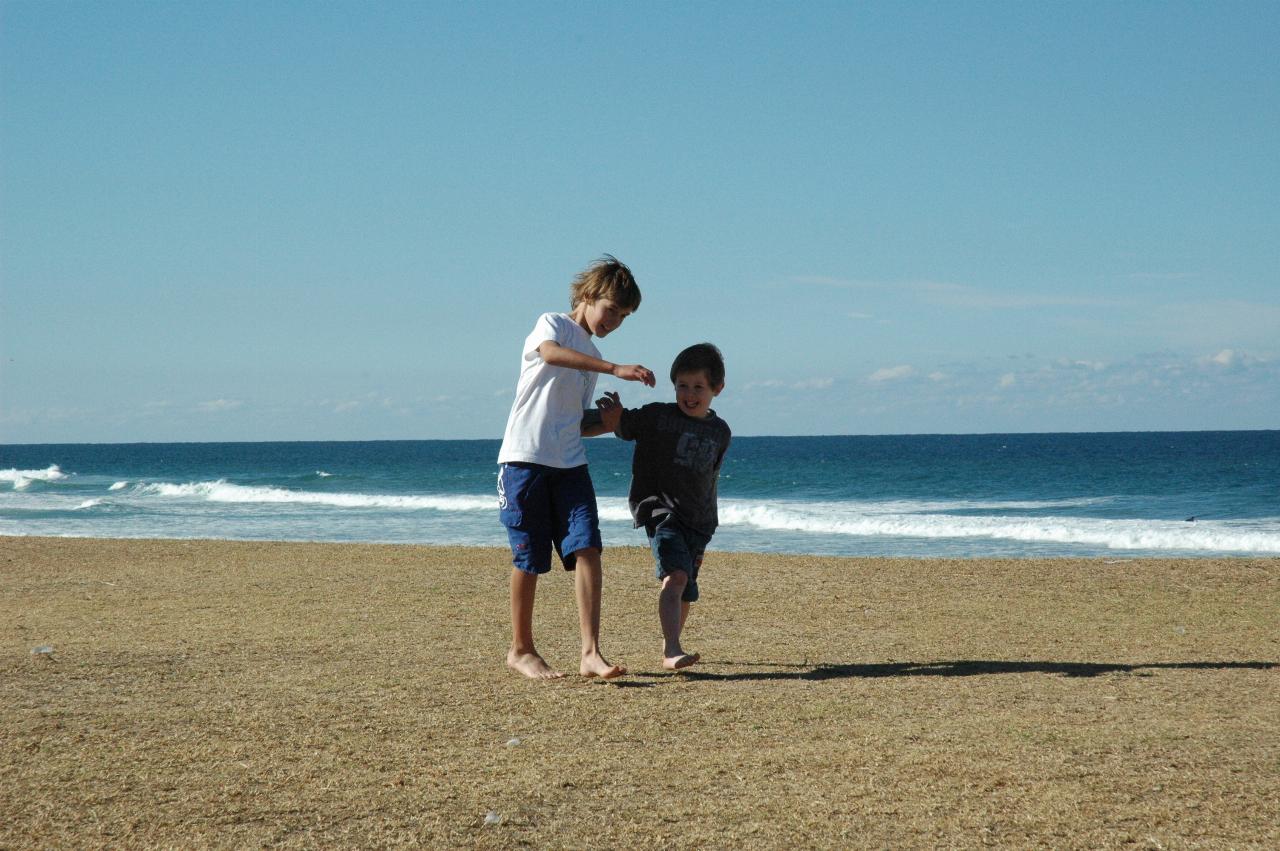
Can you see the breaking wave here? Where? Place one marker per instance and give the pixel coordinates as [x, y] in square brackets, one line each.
[22, 479]
[858, 520]
[1088, 522]
[223, 491]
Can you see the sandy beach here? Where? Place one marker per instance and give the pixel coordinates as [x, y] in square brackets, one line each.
[194, 694]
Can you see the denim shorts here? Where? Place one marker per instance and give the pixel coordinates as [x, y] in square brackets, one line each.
[677, 547]
[544, 507]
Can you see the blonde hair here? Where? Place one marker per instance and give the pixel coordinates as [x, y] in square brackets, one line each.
[608, 278]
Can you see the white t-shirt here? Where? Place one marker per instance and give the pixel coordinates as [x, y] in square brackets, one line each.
[545, 425]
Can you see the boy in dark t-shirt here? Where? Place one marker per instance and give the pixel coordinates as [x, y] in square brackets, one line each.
[679, 449]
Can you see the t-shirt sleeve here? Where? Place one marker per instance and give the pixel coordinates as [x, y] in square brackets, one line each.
[633, 423]
[546, 328]
[627, 425]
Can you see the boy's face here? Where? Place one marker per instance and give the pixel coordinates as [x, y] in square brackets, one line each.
[601, 317]
[694, 392]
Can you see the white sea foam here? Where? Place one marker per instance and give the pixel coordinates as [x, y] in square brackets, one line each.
[882, 521]
[617, 510]
[853, 520]
[89, 503]
[224, 491]
[22, 479]
[322, 474]
[614, 510]
[118, 486]
[920, 506]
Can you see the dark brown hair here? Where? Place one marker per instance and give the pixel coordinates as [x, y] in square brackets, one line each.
[702, 357]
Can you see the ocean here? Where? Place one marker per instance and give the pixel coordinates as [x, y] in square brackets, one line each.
[967, 496]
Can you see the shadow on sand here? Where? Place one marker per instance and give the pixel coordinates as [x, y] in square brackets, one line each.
[961, 668]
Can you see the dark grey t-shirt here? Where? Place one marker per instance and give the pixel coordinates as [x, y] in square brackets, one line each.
[676, 464]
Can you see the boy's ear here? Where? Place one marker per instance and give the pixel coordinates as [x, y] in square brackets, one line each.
[715, 391]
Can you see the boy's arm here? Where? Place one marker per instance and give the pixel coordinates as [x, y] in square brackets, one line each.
[555, 354]
[610, 412]
[603, 419]
[595, 423]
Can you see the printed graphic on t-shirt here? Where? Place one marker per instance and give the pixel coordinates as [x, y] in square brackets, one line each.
[696, 452]
[697, 448]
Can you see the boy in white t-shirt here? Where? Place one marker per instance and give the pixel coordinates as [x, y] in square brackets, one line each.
[545, 495]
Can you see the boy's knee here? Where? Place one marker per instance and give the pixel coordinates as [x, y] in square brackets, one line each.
[675, 579]
[588, 557]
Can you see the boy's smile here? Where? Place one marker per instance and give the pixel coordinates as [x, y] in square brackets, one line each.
[694, 393]
[600, 317]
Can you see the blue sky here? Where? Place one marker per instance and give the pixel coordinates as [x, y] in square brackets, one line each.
[248, 221]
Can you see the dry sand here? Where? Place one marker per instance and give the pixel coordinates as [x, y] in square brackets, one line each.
[246, 694]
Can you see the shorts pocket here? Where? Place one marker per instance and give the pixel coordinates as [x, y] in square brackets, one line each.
[513, 487]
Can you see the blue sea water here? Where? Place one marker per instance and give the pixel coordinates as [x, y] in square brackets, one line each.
[920, 495]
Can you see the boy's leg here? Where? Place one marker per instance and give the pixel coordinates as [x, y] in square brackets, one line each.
[523, 657]
[677, 553]
[578, 542]
[672, 612]
[588, 584]
[523, 506]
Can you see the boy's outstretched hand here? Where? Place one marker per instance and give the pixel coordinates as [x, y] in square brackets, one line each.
[610, 405]
[634, 372]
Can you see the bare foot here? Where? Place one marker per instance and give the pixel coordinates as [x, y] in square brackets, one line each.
[594, 665]
[683, 660]
[532, 666]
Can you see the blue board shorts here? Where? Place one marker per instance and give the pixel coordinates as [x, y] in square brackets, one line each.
[544, 507]
[677, 547]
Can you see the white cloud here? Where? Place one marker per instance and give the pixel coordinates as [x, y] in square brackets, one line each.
[217, 405]
[938, 375]
[814, 384]
[892, 373]
[854, 314]
[1234, 360]
[1008, 379]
